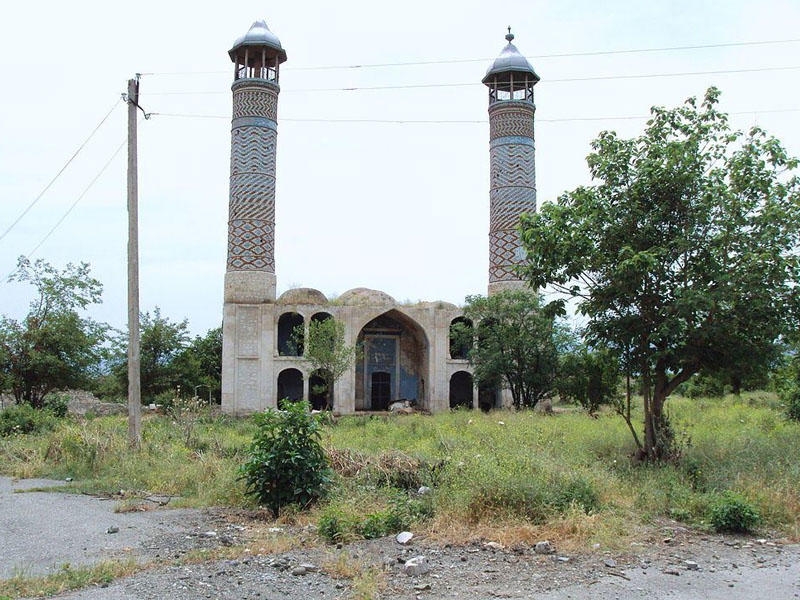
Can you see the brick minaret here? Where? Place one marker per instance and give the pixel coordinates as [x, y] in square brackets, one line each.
[247, 324]
[250, 272]
[512, 191]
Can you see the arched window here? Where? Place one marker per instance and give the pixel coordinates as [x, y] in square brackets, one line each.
[290, 334]
[318, 394]
[461, 390]
[460, 337]
[290, 386]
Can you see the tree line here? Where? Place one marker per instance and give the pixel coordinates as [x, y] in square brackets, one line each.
[56, 347]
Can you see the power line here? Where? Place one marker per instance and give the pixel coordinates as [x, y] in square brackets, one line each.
[461, 121]
[78, 199]
[53, 180]
[535, 57]
[474, 83]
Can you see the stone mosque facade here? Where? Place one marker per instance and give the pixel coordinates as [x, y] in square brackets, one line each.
[406, 352]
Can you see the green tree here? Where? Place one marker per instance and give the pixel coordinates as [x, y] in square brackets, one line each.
[199, 365]
[515, 345]
[53, 347]
[327, 351]
[683, 254]
[591, 378]
[161, 343]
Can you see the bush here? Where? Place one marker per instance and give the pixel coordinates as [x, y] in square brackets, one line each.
[23, 418]
[731, 513]
[578, 492]
[339, 523]
[57, 404]
[335, 525]
[704, 386]
[287, 463]
[792, 404]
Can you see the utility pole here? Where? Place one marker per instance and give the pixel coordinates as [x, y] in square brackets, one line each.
[134, 359]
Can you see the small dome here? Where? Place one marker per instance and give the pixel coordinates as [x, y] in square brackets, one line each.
[438, 305]
[259, 35]
[366, 297]
[510, 60]
[302, 296]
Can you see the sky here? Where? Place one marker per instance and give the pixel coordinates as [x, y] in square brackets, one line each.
[367, 195]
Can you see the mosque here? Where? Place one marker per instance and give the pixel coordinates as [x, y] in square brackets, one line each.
[407, 352]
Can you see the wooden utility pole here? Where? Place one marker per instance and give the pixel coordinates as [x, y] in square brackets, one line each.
[134, 362]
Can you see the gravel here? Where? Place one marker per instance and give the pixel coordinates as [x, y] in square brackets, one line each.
[41, 531]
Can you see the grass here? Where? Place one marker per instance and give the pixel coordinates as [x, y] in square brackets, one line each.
[512, 477]
[66, 578]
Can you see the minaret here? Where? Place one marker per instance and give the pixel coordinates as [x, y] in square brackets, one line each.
[247, 324]
[250, 272]
[512, 187]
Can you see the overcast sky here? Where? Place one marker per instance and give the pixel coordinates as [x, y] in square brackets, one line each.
[401, 207]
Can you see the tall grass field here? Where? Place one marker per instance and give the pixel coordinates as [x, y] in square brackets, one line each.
[511, 476]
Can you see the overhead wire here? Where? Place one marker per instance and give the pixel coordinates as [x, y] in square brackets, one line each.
[535, 57]
[462, 121]
[57, 175]
[78, 199]
[475, 84]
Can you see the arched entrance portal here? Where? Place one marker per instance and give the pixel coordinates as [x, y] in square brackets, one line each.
[393, 364]
[461, 390]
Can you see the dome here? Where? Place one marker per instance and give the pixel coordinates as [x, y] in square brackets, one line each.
[302, 296]
[438, 305]
[366, 297]
[510, 60]
[259, 35]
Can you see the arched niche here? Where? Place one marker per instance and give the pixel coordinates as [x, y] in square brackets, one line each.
[461, 390]
[290, 343]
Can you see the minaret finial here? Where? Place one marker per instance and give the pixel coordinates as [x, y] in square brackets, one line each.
[509, 35]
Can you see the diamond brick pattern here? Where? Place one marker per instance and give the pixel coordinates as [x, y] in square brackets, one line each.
[250, 244]
[503, 255]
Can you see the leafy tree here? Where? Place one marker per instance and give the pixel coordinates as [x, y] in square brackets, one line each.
[515, 346]
[683, 255]
[325, 348]
[53, 347]
[588, 377]
[161, 342]
[199, 365]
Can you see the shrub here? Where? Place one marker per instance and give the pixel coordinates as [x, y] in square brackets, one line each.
[336, 526]
[579, 492]
[287, 463]
[23, 418]
[57, 404]
[732, 513]
[705, 386]
[792, 401]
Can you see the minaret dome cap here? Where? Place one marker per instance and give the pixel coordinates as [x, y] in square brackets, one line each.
[509, 61]
[259, 35]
